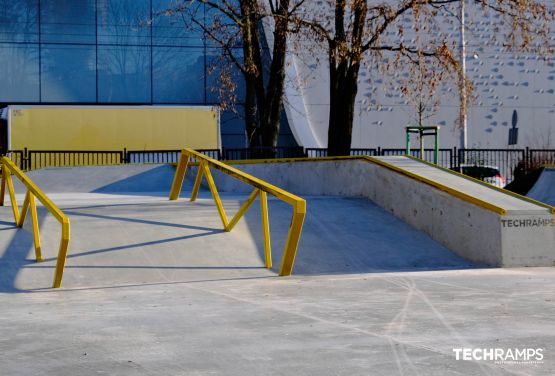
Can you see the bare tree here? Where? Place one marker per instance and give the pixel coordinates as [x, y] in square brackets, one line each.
[236, 28]
[357, 31]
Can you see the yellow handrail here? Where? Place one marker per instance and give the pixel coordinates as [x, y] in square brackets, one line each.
[9, 169]
[261, 188]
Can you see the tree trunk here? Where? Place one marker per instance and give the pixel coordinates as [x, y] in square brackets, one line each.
[344, 61]
[343, 91]
[251, 56]
[276, 83]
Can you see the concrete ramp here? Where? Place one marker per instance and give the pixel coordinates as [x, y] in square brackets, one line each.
[476, 220]
[364, 215]
[544, 188]
[126, 232]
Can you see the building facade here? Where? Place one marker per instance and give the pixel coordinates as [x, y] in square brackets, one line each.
[110, 52]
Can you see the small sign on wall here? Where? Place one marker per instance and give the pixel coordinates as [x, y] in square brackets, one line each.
[513, 132]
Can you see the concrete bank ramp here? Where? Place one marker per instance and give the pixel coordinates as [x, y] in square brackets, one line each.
[544, 188]
[126, 232]
[477, 221]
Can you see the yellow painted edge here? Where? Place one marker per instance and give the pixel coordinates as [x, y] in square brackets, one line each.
[441, 187]
[287, 160]
[454, 192]
[491, 186]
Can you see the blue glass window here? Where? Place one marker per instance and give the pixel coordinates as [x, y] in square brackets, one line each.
[176, 28]
[124, 74]
[124, 21]
[178, 75]
[19, 21]
[19, 80]
[68, 73]
[68, 21]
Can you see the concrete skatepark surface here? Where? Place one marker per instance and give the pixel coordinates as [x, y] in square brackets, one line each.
[154, 287]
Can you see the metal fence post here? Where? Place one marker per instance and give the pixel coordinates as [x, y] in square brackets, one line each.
[25, 161]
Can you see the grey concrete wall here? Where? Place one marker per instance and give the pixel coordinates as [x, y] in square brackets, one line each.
[473, 232]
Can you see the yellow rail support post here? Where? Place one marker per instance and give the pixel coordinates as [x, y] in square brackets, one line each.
[198, 181]
[243, 209]
[11, 191]
[179, 176]
[266, 229]
[215, 195]
[30, 203]
[9, 168]
[24, 210]
[293, 238]
[262, 188]
[35, 223]
[3, 187]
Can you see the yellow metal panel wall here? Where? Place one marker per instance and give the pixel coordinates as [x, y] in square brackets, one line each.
[114, 128]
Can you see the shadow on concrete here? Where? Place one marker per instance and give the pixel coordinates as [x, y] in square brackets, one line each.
[122, 286]
[350, 235]
[73, 213]
[15, 255]
[136, 245]
[152, 181]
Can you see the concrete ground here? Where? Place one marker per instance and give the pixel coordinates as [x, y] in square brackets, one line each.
[153, 287]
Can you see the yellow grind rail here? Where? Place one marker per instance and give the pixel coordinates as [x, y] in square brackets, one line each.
[261, 189]
[9, 169]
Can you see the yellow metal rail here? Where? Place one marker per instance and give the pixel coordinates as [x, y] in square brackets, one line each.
[261, 189]
[9, 169]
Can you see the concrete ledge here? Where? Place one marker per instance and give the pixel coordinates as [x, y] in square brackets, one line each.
[521, 234]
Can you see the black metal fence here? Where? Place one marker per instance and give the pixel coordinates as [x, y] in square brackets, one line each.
[538, 157]
[35, 159]
[163, 156]
[510, 162]
[262, 153]
[506, 160]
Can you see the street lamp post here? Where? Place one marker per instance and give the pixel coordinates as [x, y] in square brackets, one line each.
[462, 80]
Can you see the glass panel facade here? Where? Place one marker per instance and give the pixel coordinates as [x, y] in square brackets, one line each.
[68, 73]
[124, 22]
[19, 80]
[19, 21]
[116, 52]
[176, 64]
[124, 74]
[171, 28]
[109, 51]
[68, 21]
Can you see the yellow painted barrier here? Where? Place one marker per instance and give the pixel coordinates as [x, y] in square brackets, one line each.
[105, 128]
[261, 188]
[9, 169]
